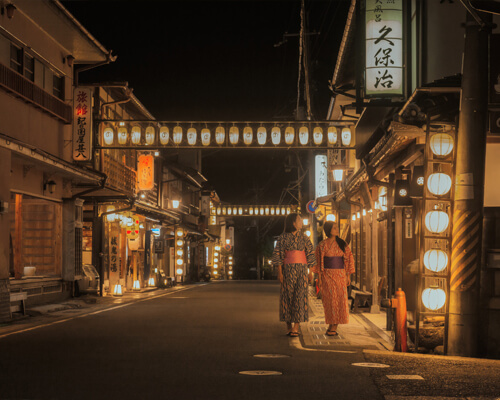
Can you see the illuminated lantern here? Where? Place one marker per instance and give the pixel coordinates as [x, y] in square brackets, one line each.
[205, 137]
[137, 285]
[262, 211]
[191, 136]
[110, 217]
[441, 144]
[150, 135]
[145, 172]
[240, 211]
[175, 203]
[151, 281]
[382, 198]
[179, 271]
[220, 135]
[164, 135]
[332, 135]
[305, 221]
[304, 135]
[338, 175]
[108, 136]
[308, 233]
[234, 135]
[436, 221]
[223, 210]
[218, 210]
[247, 135]
[276, 135]
[267, 210]
[272, 210]
[435, 260]
[288, 210]
[439, 184]
[135, 135]
[433, 298]
[289, 135]
[330, 217]
[235, 210]
[346, 136]
[354, 217]
[229, 211]
[318, 135]
[261, 135]
[250, 211]
[179, 232]
[179, 242]
[118, 290]
[283, 210]
[180, 253]
[177, 135]
[122, 135]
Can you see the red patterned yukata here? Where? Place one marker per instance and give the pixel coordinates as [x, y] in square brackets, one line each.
[334, 280]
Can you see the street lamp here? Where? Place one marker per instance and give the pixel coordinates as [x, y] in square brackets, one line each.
[338, 175]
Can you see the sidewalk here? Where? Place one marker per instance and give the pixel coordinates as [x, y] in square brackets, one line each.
[365, 330]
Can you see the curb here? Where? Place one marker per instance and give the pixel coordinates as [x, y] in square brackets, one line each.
[432, 357]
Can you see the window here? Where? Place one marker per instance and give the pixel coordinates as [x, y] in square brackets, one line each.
[16, 58]
[58, 86]
[29, 67]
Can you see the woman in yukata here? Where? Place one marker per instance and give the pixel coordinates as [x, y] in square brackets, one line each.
[293, 255]
[334, 264]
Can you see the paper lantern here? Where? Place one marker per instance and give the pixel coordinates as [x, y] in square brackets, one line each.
[135, 135]
[250, 211]
[150, 135]
[234, 135]
[229, 211]
[338, 175]
[108, 136]
[164, 135]
[382, 198]
[118, 290]
[303, 135]
[111, 217]
[276, 135]
[137, 285]
[441, 144]
[145, 172]
[318, 135]
[240, 211]
[261, 135]
[346, 136]
[289, 135]
[179, 242]
[191, 136]
[436, 221]
[435, 260]
[220, 135]
[247, 135]
[439, 184]
[433, 298]
[205, 136]
[330, 217]
[179, 271]
[122, 135]
[272, 210]
[177, 135]
[332, 135]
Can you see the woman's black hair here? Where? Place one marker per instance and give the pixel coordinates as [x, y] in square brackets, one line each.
[328, 232]
[289, 220]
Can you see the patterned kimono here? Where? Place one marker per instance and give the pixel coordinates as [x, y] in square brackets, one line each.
[293, 293]
[334, 279]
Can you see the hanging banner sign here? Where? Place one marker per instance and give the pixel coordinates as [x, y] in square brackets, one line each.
[321, 175]
[384, 48]
[145, 172]
[114, 256]
[82, 124]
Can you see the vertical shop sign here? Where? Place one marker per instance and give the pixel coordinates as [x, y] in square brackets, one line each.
[145, 172]
[114, 255]
[82, 124]
[384, 48]
[321, 174]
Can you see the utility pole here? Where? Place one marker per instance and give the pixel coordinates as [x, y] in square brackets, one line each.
[469, 190]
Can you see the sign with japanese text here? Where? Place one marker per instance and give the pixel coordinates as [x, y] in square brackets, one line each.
[114, 255]
[145, 172]
[321, 175]
[384, 48]
[82, 124]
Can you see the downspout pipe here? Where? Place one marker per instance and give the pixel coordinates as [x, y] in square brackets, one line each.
[93, 189]
[128, 94]
[109, 59]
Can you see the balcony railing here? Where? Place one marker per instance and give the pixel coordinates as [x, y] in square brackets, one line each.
[119, 176]
[28, 91]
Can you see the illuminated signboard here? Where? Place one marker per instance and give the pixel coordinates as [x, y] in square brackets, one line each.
[82, 124]
[145, 172]
[202, 135]
[384, 48]
[321, 175]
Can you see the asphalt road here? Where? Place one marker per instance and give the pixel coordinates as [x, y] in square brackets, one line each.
[188, 344]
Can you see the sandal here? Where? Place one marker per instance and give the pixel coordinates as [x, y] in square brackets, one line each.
[331, 333]
[294, 334]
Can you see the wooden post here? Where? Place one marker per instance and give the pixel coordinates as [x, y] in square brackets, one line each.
[375, 308]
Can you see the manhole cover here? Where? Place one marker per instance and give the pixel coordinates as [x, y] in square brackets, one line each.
[271, 355]
[371, 365]
[260, 373]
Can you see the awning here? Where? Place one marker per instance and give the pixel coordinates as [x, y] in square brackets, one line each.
[155, 213]
[49, 163]
[188, 174]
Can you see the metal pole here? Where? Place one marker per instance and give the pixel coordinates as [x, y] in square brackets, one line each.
[469, 194]
[390, 247]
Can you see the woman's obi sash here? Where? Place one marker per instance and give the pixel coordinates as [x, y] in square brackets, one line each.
[295, 257]
[336, 262]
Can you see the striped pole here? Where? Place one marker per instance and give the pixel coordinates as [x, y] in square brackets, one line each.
[463, 322]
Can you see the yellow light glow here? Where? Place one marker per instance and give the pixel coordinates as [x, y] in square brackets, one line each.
[180, 243]
[191, 136]
[330, 217]
[304, 135]
[267, 210]
[215, 272]
[137, 285]
[234, 135]
[230, 272]
[180, 253]
[240, 211]
[247, 135]
[179, 271]
[364, 211]
[122, 123]
[261, 135]
[358, 215]
[108, 136]
[135, 135]
[216, 266]
[318, 135]
[230, 263]
[150, 135]
[275, 135]
[437, 221]
[220, 135]
[217, 248]
[338, 175]
[346, 136]
[354, 217]
[118, 290]
[439, 184]
[308, 233]
[164, 135]
[216, 254]
[332, 135]
[177, 135]
[179, 232]
[205, 136]
[175, 203]
[250, 211]
[435, 260]
[305, 221]
[216, 260]
[122, 135]
[289, 135]
[179, 261]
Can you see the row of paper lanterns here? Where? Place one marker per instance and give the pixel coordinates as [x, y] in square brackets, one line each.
[179, 251]
[177, 135]
[253, 210]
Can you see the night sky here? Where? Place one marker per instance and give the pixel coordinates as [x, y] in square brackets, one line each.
[218, 60]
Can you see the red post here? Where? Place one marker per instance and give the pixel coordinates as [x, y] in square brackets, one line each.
[399, 303]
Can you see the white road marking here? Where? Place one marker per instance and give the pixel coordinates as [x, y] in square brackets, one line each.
[95, 312]
[409, 377]
[295, 342]
[371, 365]
[260, 373]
